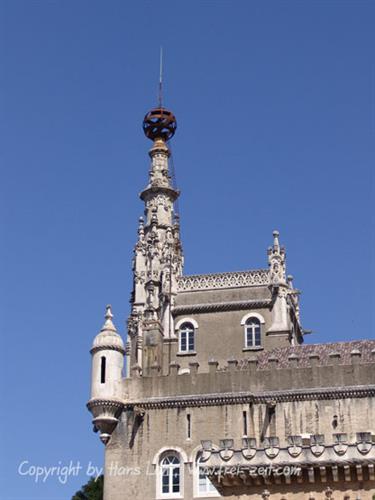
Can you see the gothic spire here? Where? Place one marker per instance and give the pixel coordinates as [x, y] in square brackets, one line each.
[276, 261]
[158, 259]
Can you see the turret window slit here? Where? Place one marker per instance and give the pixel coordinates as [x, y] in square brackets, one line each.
[102, 370]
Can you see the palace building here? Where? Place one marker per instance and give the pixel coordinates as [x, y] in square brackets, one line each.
[214, 393]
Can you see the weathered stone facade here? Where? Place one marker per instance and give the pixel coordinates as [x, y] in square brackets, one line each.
[220, 396]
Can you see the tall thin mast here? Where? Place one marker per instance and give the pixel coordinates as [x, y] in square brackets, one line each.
[160, 100]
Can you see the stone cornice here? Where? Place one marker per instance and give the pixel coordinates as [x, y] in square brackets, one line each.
[220, 306]
[256, 398]
[108, 403]
[257, 277]
[152, 190]
[107, 347]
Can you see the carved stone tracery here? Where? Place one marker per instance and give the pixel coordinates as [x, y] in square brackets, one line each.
[259, 277]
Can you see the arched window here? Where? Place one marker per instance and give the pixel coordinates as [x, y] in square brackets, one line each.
[204, 486]
[170, 468]
[252, 332]
[187, 338]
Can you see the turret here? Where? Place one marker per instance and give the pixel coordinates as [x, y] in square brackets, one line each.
[107, 363]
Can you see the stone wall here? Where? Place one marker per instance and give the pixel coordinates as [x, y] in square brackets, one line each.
[332, 393]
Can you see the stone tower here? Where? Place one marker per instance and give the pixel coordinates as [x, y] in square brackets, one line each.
[158, 259]
[219, 385]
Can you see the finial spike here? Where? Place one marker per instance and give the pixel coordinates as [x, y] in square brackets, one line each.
[108, 312]
[276, 243]
[161, 78]
[108, 324]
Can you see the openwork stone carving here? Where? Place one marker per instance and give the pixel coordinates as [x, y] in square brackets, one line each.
[223, 280]
[139, 277]
[159, 200]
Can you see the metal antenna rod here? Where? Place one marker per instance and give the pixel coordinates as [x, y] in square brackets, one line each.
[161, 78]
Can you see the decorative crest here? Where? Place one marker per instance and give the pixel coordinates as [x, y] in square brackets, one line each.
[159, 123]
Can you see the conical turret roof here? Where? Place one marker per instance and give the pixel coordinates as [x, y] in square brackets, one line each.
[108, 338]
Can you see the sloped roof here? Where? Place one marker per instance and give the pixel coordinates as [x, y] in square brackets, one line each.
[282, 354]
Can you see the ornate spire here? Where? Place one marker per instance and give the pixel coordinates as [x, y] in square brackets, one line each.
[276, 261]
[108, 324]
[276, 244]
[158, 256]
[279, 286]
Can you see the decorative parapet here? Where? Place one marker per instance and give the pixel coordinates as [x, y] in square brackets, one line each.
[258, 277]
[282, 375]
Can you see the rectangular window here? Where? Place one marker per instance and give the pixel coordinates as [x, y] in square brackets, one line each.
[202, 481]
[191, 341]
[176, 480]
[102, 370]
[249, 338]
[165, 481]
[244, 419]
[204, 484]
[257, 337]
[188, 423]
[183, 342]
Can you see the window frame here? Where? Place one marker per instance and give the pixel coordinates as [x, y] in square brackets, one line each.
[245, 323]
[179, 329]
[253, 331]
[170, 453]
[187, 329]
[197, 492]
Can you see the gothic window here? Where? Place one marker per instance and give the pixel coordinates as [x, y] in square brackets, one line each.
[204, 486]
[187, 338]
[170, 474]
[252, 332]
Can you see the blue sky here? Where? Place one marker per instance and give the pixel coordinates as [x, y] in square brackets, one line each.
[275, 109]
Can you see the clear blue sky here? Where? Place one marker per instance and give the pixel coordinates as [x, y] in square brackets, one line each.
[275, 108]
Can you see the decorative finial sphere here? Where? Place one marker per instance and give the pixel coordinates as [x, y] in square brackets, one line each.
[159, 123]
